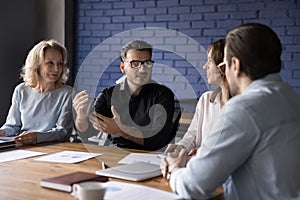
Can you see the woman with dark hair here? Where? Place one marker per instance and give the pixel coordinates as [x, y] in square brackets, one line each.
[209, 104]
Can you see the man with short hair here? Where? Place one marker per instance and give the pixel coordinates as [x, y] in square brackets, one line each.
[136, 113]
[253, 147]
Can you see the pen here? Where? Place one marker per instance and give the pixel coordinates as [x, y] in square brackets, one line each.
[163, 155]
[104, 166]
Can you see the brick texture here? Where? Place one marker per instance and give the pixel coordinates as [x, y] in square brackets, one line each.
[180, 32]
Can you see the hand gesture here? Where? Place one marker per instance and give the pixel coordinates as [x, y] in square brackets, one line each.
[80, 104]
[116, 127]
[104, 124]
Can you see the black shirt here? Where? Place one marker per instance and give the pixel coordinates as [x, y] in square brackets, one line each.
[151, 111]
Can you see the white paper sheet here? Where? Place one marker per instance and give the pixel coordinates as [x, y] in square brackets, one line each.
[119, 190]
[17, 154]
[68, 157]
[141, 157]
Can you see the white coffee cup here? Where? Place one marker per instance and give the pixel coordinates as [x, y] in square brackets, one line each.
[89, 190]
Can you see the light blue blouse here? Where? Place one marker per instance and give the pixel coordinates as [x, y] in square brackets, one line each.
[252, 148]
[47, 113]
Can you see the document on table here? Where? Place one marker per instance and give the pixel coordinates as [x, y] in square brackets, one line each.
[120, 190]
[141, 157]
[17, 154]
[68, 157]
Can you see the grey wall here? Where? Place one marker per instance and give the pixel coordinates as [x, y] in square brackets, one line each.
[23, 24]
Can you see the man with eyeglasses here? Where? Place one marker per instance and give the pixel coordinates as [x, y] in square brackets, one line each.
[136, 113]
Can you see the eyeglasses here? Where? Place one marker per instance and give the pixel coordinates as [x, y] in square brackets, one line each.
[222, 67]
[135, 64]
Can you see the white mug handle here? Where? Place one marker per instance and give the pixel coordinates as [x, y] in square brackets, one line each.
[74, 190]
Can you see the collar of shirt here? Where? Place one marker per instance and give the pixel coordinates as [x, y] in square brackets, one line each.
[124, 86]
[275, 77]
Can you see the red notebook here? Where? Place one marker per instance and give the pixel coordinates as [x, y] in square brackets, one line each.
[65, 182]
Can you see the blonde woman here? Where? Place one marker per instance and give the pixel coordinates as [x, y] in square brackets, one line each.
[41, 108]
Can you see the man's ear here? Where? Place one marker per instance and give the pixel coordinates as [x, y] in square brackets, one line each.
[122, 67]
[235, 64]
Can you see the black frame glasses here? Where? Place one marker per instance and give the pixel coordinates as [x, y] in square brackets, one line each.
[136, 64]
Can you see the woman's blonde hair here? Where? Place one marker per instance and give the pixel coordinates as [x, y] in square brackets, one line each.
[36, 56]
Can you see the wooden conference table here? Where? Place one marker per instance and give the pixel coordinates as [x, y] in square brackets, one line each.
[20, 179]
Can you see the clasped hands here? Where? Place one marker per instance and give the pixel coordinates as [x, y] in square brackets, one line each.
[176, 157]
